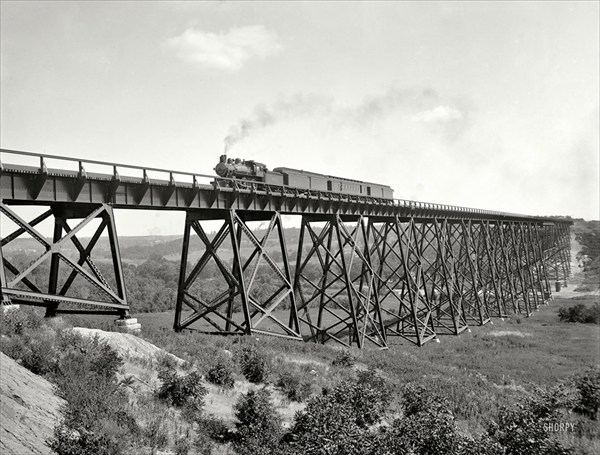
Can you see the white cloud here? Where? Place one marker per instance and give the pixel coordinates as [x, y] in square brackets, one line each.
[439, 114]
[226, 51]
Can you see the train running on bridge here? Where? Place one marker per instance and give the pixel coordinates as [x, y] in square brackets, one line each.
[253, 171]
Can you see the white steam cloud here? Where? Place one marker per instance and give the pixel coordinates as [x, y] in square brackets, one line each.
[227, 51]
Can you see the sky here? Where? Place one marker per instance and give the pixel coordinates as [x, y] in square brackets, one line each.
[492, 105]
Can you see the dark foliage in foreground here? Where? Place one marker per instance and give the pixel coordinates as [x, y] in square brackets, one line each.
[255, 365]
[96, 420]
[580, 313]
[588, 385]
[258, 426]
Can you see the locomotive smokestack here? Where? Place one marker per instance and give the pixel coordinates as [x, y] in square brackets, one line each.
[223, 158]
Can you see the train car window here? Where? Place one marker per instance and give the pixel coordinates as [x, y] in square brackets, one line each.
[328, 185]
[368, 191]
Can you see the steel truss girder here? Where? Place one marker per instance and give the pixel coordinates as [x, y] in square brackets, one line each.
[240, 277]
[19, 288]
[555, 245]
[343, 296]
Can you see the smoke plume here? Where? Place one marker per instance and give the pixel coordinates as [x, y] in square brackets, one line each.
[423, 105]
[264, 116]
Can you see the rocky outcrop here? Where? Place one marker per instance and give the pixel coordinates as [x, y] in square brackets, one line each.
[29, 410]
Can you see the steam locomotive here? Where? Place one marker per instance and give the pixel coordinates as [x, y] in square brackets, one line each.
[253, 171]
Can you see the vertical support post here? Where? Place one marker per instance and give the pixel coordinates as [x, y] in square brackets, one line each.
[4, 299]
[353, 328]
[54, 264]
[238, 272]
[185, 248]
[324, 299]
[109, 218]
[294, 322]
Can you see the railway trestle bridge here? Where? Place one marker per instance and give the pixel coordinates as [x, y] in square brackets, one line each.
[360, 270]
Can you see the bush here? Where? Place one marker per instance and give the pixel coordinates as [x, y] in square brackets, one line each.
[32, 348]
[343, 359]
[427, 432]
[258, 426]
[523, 428]
[254, 364]
[182, 445]
[214, 428]
[580, 313]
[96, 419]
[428, 426]
[221, 373]
[327, 427]
[155, 434]
[184, 391]
[13, 321]
[293, 388]
[588, 385]
[417, 399]
[67, 441]
[203, 444]
[368, 397]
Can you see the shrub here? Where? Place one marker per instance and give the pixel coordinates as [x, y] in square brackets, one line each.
[13, 321]
[293, 388]
[428, 426]
[588, 385]
[221, 373]
[258, 426]
[186, 391]
[67, 441]
[417, 399]
[523, 427]
[155, 435]
[343, 359]
[580, 313]
[214, 428]
[327, 427]
[203, 444]
[254, 364]
[368, 397]
[96, 419]
[182, 446]
[33, 348]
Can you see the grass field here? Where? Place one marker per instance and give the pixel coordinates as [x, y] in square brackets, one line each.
[491, 366]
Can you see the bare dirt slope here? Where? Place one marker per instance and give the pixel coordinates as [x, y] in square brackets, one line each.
[28, 410]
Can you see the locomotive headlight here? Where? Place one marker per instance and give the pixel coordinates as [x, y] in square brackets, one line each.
[222, 169]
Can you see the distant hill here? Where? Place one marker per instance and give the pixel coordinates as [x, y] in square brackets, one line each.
[136, 249]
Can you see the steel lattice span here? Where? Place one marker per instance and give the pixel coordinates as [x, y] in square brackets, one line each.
[362, 269]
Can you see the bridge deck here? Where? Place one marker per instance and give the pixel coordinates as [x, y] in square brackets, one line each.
[21, 184]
